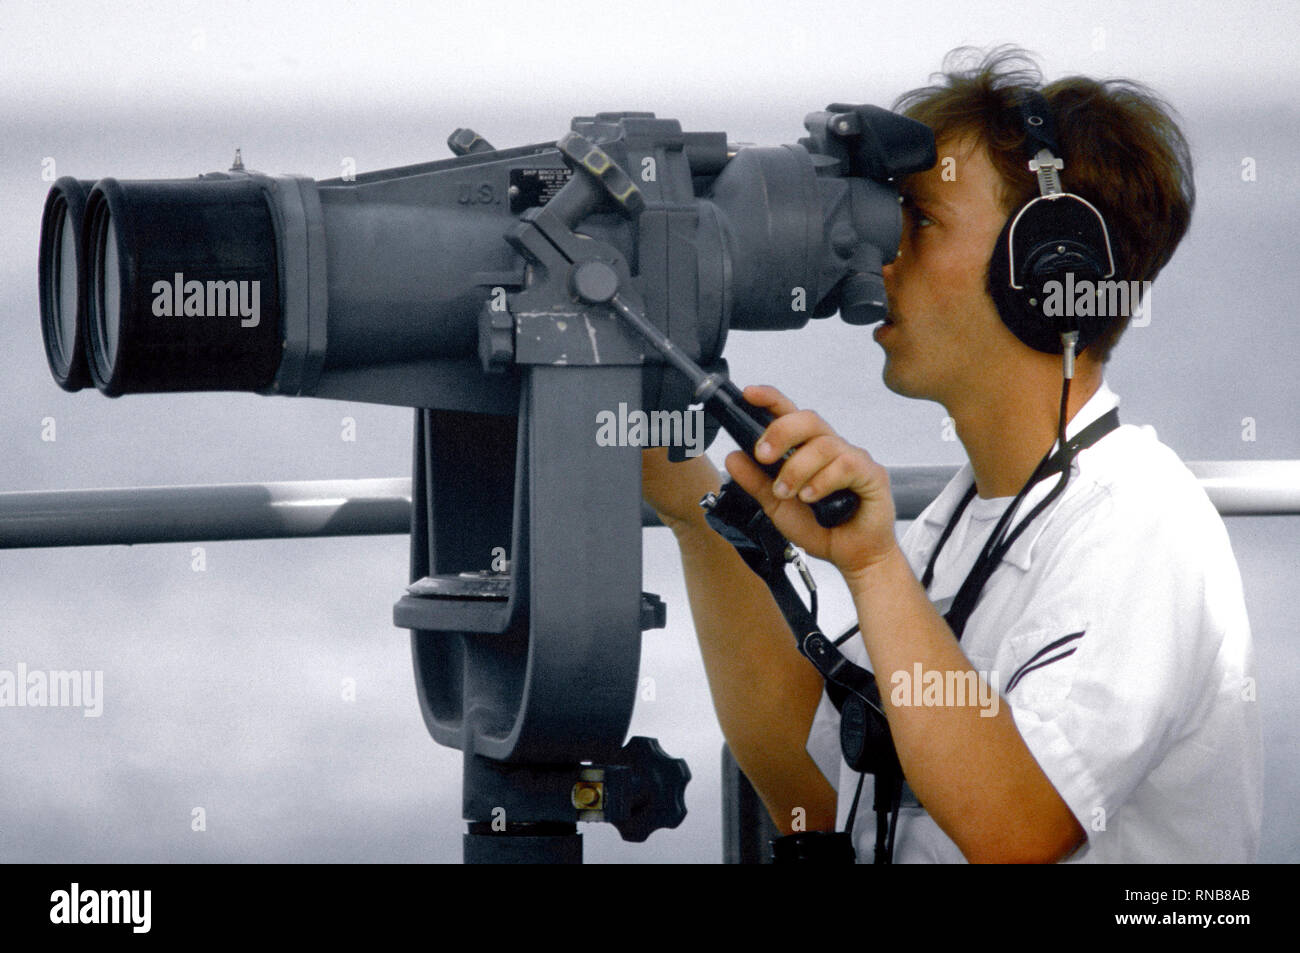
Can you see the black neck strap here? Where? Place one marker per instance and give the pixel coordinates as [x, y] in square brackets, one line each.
[1000, 541]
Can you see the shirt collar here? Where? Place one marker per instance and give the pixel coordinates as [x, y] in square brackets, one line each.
[940, 511]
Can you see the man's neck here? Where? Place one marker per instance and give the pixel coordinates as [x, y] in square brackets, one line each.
[1007, 431]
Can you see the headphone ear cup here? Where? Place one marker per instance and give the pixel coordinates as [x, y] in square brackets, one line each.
[1059, 239]
[1025, 321]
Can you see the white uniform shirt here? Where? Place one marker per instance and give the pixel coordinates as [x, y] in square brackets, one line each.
[1146, 723]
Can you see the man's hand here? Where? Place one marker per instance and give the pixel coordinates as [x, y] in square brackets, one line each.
[824, 463]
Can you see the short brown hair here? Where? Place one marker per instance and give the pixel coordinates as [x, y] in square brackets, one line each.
[1123, 151]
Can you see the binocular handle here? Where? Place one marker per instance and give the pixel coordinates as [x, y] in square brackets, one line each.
[746, 424]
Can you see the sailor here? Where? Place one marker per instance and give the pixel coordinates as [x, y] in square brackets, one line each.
[1091, 586]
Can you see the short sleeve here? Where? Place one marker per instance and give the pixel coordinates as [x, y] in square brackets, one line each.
[1111, 656]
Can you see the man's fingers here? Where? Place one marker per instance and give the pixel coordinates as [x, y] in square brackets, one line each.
[751, 478]
[843, 472]
[804, 463]
[792, 430]
[761, 395]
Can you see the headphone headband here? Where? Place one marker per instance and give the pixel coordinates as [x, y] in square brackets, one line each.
[1045, 155]
[1039, 124]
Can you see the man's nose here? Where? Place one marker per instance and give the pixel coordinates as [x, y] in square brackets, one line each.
[890, 271]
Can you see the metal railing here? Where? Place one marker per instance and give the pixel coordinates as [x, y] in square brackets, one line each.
[314, 508]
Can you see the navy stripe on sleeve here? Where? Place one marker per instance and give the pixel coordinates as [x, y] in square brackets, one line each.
[1030, 665]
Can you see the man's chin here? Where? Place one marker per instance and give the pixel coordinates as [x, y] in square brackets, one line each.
[900, 384]
[893, 379]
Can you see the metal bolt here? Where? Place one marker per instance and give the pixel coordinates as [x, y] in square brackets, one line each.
[587, 795]
[593, 281]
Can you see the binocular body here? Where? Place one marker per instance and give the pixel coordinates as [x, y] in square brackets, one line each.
[390, 287]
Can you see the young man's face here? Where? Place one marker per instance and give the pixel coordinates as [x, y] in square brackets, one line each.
[944, 335]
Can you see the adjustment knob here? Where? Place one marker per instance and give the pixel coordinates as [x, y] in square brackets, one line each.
[646, 789]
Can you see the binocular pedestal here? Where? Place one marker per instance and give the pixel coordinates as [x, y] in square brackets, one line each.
[532, 672]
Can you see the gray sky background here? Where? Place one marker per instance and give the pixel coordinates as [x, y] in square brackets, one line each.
[223, 687]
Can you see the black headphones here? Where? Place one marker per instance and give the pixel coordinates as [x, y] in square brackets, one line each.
[1052, 235]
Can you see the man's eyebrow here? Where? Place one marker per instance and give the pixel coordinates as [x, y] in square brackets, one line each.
[912, 193]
